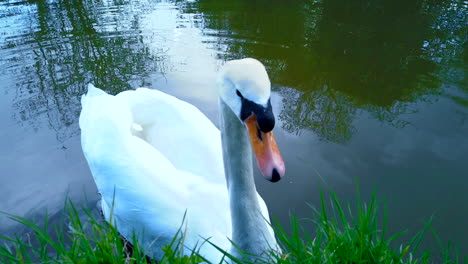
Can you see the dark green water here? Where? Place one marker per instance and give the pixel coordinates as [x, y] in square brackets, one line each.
[368, 90]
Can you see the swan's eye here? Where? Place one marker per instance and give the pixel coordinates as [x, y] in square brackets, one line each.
[239, 94]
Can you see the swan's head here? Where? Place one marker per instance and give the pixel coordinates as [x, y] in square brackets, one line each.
[245, 87]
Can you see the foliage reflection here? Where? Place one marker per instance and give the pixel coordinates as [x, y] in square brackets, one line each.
[74, 43]
[341, 56]
[337, 57]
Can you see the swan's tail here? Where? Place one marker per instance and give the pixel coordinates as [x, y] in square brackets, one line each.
[87, 102]
[93, 91]
[101, 111]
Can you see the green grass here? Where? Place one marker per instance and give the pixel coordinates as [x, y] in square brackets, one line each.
[341, 236]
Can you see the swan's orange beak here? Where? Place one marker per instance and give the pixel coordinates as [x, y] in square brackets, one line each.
[266, 151]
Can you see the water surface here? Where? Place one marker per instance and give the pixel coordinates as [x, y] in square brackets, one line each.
[373, 91]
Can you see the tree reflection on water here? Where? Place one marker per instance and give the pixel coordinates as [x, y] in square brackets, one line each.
[378, 56]
[337, 57]
[326, 112]
[75, 43]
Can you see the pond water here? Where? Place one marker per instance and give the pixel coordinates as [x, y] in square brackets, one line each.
[367, 91]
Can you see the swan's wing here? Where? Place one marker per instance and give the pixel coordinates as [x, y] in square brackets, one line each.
[150, 194]
[178, 130]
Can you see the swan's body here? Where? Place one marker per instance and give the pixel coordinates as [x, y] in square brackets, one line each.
[158, 158]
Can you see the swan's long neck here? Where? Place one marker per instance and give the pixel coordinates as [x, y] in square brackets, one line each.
[249, 228]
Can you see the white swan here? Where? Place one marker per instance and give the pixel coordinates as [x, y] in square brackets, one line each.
[158, 158]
